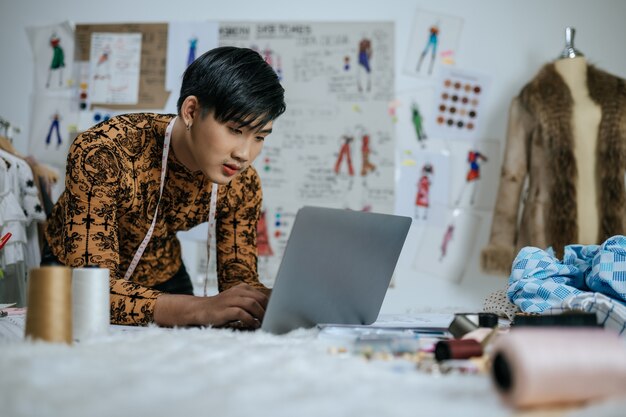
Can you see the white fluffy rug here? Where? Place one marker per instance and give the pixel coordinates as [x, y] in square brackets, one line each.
[210, 372]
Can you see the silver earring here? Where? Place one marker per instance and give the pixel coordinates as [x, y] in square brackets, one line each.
[188, 127]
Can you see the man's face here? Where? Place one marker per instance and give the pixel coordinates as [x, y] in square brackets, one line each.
[223, 150]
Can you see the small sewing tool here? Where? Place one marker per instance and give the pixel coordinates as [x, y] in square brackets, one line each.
[5, 239]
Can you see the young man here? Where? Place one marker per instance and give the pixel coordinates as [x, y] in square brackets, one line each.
[229, 99]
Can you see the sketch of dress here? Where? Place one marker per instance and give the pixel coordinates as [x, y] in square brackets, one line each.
[345, 152]
[422, 198]
[263, 243]
[447, 237]
[473, 158]
[431, 44]
[366, 165]
[58, 59]
[418, 124]
[103, 66]
[365, 55]
[473, 173]
[193, 43]
[54, 128]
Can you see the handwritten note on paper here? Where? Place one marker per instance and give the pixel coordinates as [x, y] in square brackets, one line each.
[114, 67]
[334, 146]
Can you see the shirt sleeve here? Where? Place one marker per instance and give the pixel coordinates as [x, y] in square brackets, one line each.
[498, 255]
[239, 210]
[90, 231]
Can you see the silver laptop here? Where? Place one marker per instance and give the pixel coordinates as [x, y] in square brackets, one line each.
[336, 268]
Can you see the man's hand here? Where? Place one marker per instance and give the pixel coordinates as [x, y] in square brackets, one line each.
[242, 304]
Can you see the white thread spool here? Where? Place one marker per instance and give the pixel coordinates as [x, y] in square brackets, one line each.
[90, 302]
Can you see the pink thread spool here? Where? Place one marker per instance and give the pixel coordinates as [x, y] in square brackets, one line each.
[541, 366]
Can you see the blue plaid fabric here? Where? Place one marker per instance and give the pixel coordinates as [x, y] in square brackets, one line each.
[610, 313]
[540, 283]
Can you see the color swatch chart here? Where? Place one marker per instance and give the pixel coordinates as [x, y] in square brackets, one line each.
[459, 99]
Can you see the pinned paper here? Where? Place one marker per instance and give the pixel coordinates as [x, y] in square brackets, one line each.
[152, 92]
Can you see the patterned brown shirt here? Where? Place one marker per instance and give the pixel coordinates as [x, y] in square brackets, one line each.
[111, 192]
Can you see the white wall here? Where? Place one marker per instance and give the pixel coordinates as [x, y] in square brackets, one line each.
[507, 39]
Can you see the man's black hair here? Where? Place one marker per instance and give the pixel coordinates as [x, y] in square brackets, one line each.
[236, 84]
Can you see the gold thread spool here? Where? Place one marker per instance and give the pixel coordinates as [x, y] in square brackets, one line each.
[49, 313]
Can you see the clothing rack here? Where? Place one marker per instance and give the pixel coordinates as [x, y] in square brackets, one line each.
[7, 128]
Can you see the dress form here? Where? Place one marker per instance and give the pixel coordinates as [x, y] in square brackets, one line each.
[586, 115]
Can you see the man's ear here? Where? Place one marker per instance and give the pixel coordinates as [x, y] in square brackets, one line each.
[189, 109]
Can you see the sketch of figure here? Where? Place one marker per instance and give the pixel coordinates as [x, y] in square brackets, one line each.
[346, 63]
[103, 66]
[104, 56]
[267, 56]
[270, 56]
[58, 59]
[422, 199]
[366, 165]
[279, 68]
[417, 119]
[447, 237]
[54, 127]
[263, 243]
[345, 152]
[193, 43]
[431, 44]
[473, 174]
[365, 54]
[474, 169]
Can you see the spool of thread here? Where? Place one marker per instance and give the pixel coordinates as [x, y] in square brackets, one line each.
[461, 324]
[90, 302]
[542, 366]
[487, 320]
[49, 313]
[457, 349]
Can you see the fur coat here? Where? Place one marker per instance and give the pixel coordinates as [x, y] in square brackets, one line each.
[539, 151]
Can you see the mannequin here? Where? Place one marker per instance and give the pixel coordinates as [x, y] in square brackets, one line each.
[565, 141]
[586, 115]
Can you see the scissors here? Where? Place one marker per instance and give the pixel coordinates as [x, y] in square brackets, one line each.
[5, 239]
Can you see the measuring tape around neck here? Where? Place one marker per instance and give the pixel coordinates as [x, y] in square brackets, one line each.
[146, 239]
[213, 206]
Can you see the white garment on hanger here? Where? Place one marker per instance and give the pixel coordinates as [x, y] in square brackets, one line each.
[12, 217]
[28, 196]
